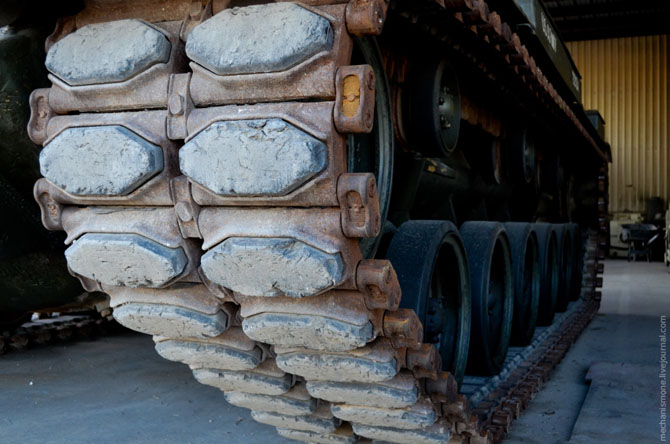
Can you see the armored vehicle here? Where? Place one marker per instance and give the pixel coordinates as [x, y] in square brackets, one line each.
[360, 219]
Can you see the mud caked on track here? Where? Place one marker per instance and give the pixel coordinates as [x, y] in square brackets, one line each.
[224, 172]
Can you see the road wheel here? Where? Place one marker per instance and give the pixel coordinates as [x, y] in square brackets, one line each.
[432, 269]
[527, 277]
[566, 265]
[489, 256]
[549, 264]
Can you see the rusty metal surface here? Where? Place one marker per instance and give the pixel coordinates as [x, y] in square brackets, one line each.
[155, 11]
[179, 106]
[355, 99]
[378, 281]
[357, 194]
[366, 17]
[424, 361]
[310, 117]
[403, 327]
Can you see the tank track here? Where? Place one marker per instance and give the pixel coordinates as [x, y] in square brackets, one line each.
[252, 272]
[59, 329]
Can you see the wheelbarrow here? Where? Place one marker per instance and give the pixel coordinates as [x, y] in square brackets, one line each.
[639, 238]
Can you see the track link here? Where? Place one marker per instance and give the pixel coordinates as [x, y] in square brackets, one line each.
[228, 228]
[62, 328]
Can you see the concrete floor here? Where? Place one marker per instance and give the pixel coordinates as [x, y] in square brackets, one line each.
[117, 390]
[620, 404]
[636, 288]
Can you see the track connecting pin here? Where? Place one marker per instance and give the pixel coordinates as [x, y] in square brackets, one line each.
[366, 17]
[378, 281]
[359, 201]
[354, 99]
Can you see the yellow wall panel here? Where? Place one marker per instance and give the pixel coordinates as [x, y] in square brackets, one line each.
[626, 80]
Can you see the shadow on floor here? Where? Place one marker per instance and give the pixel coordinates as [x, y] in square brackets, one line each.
[115, 390]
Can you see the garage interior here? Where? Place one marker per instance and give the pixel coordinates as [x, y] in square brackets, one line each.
[608, 388]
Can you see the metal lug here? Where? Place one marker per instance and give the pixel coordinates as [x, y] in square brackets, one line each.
[40, 114]
[179, 106]
[355, 99]
[425, 362]
[366, 17]
[359, 203]
[378, 281]
[404, 328]
[185, 207]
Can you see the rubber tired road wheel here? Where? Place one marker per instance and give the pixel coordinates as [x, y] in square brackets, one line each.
[489, 256]
[432, 268]
[527, 278]
[549, 263]
[578, 261]
[566, 267]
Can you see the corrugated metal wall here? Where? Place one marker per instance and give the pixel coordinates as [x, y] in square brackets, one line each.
[626, 80]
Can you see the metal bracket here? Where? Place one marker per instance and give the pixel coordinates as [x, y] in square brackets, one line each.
[179, 106]
[366, 17]
[425, 361]
[442, 390]
[377, 280]
[40, 114]
[185, 207]
[51, 211]
[404, 328]
[359, 204]
[354, 109]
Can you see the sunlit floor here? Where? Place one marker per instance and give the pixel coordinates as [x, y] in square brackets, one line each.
[636, 288]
